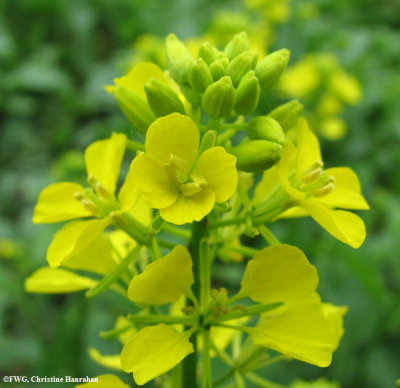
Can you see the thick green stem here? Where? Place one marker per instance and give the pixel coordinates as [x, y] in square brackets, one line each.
[189, 363]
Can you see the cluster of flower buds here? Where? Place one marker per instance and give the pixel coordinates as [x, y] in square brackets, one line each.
[225, 82]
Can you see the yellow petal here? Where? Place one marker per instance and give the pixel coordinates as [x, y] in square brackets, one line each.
[189, 209]
[347, 193]
[155, 185]
[309, 151]
[164, 280]
[334, 314]
[112, 361]
[153, 351]
[139, 75]
[121, 242]
[280, 273]
[299, 330]
[174, 134]
[56, 281]
[343, 225]
[105, 381]
[95, 257]
[285, 167]
[219, 170]
[57, 203]
[293, 212]
[72, 238]
[129, 193]
[103, 159]
[269, 181]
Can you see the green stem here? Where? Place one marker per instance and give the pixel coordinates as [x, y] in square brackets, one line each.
[239, 380]
[268, 235]
[261, 382]
[108, 280]
[116, 332]
[176, 231]
[133, 145]
[189, 363]
[152, 319]
[245, 251]
[206, 360]
[230, 221]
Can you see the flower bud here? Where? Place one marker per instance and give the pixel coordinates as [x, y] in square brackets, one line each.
[240, 65]
[162, 99]
[207, 141]
[179, 58]
[238, 44]
[287, 114]
[191, 95]
[134, 107]
[265, 128]
[247, 94]
[219, 67]
[256, 155]
[271, 67]
[209, 53]
[200, 75]
[219, 98]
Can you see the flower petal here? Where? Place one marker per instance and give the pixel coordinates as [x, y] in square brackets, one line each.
[347, 193]
[308, 148]
[112, 361]
[139, 75]
[174, 134]
[103, 159]
[155, 185]
[343, 225]
[334, 314]
[72, 238]
[153, 351]
[57, 203]
[280, 273]
[165, 280]
[95, 257]
[189, 209]
[219, 170]
[299, 330]
[105, 381]
[57, 281]
[268, 182]
[285, 167]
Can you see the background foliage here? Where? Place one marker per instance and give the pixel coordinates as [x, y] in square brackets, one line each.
[55, 57]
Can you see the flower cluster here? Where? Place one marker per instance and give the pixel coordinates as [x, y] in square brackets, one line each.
[197, 168]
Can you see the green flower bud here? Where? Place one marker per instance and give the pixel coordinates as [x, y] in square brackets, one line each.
[179, 59]
[287, 114]
[266, 128]
[219, 98]
[200, 75]
[209, 53]
[162, 99]
[247, 94]
[134, 107]
[240, 65]
[271, 67]
[238, 44]
[219, 67]
[256, 155]
[207, 141]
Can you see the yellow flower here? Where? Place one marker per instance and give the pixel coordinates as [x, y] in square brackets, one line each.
[299, 328]
[155, 350]
[67, 201]
[314, 191]
[172, 177]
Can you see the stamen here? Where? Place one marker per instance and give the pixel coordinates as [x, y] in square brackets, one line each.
[324, 190]
[189, 189]
[311, 175]
[181, 176]
[102, 191]
[91, 206]
[79, 196]
[313, 167]
[92, 181]
[178, 163]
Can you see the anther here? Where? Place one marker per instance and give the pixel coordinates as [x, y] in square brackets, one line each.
[79, 196]
[89, 205]
[178, 163]
[189, 189]
[324, 190]
[311, 175]
[100, 188]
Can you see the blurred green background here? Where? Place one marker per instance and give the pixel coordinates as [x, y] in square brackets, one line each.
[55, 58]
